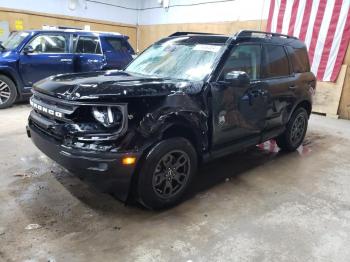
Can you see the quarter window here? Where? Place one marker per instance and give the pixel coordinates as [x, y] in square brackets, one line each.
[117, 44]
[244, 58]
[276, 61]
[50, 43]
[300, 60]
[88, 45]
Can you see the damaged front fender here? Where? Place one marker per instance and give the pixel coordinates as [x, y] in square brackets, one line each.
[180, 111]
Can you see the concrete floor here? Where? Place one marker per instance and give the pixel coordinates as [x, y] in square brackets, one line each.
[257, 205]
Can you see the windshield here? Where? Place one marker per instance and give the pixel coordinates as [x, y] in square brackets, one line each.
[179, 61]
[14, 40]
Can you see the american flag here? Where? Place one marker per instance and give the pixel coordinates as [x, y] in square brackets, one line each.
[324, 26]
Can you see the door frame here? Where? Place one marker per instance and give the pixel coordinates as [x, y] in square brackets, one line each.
[234, 144]
[21, 50]
[77, 55]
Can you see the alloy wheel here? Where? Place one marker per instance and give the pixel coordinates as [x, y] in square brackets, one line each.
[298, 129]
[171, 174]
[5, 92]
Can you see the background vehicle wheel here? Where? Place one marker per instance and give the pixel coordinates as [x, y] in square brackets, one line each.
[166, 173]
[8, 92]
[294, 135]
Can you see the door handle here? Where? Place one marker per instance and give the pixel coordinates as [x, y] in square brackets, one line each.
[256, 93]
[66, 60]
[92, 60]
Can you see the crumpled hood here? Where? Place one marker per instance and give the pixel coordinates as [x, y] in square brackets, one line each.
[112, 84]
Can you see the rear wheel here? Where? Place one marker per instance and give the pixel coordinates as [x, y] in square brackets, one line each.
[294, 135]
[8, 92]
[166, 173]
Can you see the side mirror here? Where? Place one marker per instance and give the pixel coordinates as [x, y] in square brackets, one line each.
[28, 49]
[237, 78]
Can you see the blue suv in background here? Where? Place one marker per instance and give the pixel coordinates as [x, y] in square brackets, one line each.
[29, 56]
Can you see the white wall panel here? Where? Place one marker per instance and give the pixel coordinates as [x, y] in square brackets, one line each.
[92, 11]
[215, 11]
[145, 12]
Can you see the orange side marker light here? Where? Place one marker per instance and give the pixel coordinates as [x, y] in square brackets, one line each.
[129, 160]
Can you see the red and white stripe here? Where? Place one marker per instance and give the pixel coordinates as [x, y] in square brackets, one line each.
[324, 26]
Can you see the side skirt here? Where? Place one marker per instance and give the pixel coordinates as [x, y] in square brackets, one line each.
[239, 145]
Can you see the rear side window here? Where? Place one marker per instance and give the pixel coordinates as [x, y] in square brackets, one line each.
[276, 61]
[300, 60]
[88, 45]
[118, 44]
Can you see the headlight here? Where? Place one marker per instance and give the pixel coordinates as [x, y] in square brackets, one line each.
[107, 115]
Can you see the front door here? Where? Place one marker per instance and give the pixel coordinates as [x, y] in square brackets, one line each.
[88, 54]
[50, 56]
[239, 111]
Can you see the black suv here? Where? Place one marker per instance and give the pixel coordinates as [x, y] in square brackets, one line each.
[187, 99]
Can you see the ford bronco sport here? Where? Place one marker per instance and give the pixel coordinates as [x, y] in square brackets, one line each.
[29, 56]
[187, 99]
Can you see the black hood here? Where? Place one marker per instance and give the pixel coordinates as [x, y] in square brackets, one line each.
[112, 84]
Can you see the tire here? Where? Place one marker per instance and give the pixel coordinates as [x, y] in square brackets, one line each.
[8, 92]
[166, 173]
[294, 135]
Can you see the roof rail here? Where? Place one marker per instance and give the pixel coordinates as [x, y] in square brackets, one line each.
[190, 33]
[249, 33]
[75, 29]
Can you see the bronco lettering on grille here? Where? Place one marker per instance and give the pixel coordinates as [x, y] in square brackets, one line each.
[46, 109]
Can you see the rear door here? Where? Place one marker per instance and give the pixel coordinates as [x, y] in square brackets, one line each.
[304, 80]
[117, 51]
[88, 53]
[51, 56]
[280, 83]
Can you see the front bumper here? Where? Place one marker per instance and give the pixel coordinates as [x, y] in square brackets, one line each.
[104, 168]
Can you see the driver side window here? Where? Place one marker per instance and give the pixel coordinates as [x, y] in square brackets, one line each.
[49, 43]
[246, 58]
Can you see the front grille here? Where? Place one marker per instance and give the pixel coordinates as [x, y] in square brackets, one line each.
[46, 132]
[52, 108]
[61, 118]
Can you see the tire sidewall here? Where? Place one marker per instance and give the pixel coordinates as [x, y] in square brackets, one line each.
[297, 113]
[13, 90]
[145, 191]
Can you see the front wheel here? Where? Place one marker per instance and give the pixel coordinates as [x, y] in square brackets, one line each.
[166, 173]
[8, 92]
[295, 132]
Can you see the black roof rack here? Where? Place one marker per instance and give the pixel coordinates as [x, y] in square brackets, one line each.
[249, 33]
[190, 33]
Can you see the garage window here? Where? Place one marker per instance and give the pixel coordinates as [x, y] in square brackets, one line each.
[50, 43]
[88, 45]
